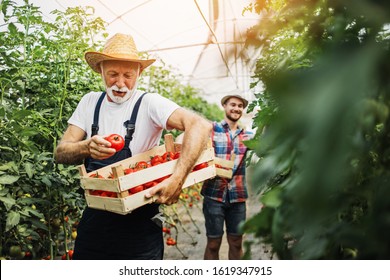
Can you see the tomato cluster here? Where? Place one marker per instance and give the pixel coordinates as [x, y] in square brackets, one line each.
[140, 165]
[170, 241]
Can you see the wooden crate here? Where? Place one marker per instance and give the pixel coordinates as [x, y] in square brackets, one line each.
[120, 184]
[224, 168]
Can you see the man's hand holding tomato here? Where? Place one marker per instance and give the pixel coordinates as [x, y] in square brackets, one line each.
[101, 148]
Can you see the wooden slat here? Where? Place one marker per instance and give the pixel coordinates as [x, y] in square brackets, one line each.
[169, 145]
[117, 171]
[82, 170]
[100, 184]
[106, 203]
[224, 173]
[224, 162]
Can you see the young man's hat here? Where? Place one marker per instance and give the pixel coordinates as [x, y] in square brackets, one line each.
[235, 94]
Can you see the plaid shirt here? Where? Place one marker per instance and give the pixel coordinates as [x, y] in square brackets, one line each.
[225, 143]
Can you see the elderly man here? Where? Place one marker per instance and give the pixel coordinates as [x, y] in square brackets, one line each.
[102, 234]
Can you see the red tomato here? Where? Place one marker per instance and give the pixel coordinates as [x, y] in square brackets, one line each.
[136, 189]
[111, 194]
[166, 230]
[177, 155]
[117, 141]
[156, 160]
[150, 184]
[162, 178]
[168, 156]
[104, 194]
[128, 171]
[96, 175]
[95, 192]
[170, 241]
[200, 166]
[70, 253]
[141, 165]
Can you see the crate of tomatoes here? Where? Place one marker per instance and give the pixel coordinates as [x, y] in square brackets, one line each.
[121, 187]
[224, 167]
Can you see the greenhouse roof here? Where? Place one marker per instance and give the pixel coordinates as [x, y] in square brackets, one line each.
[203, 40]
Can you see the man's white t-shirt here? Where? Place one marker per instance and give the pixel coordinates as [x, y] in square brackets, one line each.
[152, 118]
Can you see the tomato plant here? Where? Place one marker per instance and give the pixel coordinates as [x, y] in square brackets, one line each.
[117, 141]
[45, 57]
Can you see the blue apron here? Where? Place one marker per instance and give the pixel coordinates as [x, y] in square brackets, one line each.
[103, 235]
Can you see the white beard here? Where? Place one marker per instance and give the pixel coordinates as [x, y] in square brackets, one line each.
[119, 99]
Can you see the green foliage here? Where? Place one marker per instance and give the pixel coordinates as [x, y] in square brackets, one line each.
[43, 75]
[41, 79]
[324, 128]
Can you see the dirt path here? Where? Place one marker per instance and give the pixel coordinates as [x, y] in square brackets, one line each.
[192, 243]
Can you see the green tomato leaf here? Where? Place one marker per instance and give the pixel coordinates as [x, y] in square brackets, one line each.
[36, 213]
[272, 198]
[8, 179]
[12, 28]
[29, 169]
[46, 181]
[8, 201]
[13, 219]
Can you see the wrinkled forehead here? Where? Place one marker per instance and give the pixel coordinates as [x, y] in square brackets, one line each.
[119, 65]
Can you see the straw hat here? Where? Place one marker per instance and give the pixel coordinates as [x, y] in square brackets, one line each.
[235, 94]
[118, 47]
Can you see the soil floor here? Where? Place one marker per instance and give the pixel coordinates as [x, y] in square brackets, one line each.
[191, 237]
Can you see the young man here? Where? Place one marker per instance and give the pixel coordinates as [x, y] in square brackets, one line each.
[224, 199]
[102, 234]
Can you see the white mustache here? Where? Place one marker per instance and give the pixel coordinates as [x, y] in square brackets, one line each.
[122, 89]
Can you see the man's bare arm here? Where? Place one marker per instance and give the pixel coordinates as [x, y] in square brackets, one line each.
[72, 149]
[197, 133]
